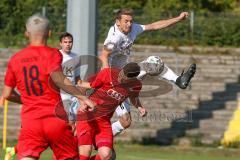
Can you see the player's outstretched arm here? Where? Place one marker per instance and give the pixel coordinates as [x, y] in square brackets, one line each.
[165, 23]
[10, 94]
[64, 83]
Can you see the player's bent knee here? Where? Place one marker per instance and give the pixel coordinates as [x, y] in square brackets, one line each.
[105, 153]
[126, 120]
[85, 150]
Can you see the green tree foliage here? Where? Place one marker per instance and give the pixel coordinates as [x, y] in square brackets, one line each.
[13, 15]
[209, 29]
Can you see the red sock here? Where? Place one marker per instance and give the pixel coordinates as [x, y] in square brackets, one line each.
[83, 157]
[96, 157]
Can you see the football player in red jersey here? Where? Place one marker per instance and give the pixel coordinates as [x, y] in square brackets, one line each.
[112, 86]
[30, 71]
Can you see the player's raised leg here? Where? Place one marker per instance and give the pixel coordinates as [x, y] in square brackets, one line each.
[154, 66]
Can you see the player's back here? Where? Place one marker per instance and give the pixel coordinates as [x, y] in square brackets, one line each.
[31, 69]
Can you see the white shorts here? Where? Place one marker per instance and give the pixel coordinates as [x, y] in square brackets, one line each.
[71, 106]
[123, 108]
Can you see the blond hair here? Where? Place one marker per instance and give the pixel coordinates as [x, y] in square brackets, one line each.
[37, 24]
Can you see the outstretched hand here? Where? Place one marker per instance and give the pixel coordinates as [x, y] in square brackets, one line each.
[86, 105]
[142, 111]
[2, 100]
[183, 15]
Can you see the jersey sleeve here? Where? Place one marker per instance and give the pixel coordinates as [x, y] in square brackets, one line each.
[111, 37]
[55, 61]
[112, 40]
[138, 28]
[10, 79]
[99, 79]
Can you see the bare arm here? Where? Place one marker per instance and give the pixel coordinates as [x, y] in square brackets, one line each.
[10, 94]
[104, 57]
[137, 103]
[84, 84]
[165, 23]
[64, 83]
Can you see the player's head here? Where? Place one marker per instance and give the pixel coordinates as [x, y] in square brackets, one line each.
[66, 42]
[129, 72]
[37, 27]
[124, 20]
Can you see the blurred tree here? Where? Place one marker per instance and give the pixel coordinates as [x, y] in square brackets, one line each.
[13, 15]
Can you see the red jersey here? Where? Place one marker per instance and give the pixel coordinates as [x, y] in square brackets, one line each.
[29, 70]
[109, 93]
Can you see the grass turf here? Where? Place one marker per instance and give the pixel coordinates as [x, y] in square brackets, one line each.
[140, 152]
[152, 152]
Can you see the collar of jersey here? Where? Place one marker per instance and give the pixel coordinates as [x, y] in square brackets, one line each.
[117, 30]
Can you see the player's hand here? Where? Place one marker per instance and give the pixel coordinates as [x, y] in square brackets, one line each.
[2, 100]
[86, 105]
[142, 111]
[183, 15]
[91, 105]
[83, 106]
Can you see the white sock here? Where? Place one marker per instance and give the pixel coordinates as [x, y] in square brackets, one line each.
[169, 74]
[117, 128]
[141, 75]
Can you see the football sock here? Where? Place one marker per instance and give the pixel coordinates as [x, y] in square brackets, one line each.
[169, 74]
[117, 128]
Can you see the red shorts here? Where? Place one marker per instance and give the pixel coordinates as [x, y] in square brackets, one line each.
[37, 135]
[95, 132]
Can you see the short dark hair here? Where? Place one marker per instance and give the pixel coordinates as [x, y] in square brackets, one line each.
[123, 11]
[65, 34]
[131, 70]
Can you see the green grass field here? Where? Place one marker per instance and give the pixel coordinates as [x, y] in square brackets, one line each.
[140, 152]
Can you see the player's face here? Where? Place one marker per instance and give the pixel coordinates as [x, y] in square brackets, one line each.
[66, 44]
[125, 23]
[124, 79]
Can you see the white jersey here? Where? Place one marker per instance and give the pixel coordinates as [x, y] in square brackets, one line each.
[121, 44]
[68, 71]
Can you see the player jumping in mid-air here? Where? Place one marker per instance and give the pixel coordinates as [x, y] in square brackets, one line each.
[116, 53]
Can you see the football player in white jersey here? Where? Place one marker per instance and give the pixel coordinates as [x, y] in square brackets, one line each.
[66, 43]
[116, 53]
